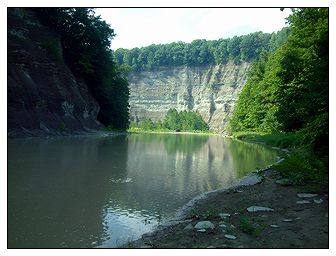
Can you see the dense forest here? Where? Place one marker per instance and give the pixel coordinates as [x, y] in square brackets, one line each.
[287, 90]
[86, 41]
[173, 121]
[201, 52]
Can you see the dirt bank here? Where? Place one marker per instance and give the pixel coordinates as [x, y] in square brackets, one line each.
[291, 222]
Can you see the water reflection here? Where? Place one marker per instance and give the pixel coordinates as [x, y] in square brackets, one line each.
[103, 191]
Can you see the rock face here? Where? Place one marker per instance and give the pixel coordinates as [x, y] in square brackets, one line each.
[44, 96]
[210, 90]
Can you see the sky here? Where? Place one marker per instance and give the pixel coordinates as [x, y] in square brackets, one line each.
[138, 27]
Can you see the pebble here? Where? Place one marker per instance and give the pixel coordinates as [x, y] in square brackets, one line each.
[222, 226]
[201, 230]
[274, 226]
[303, 202]
[287, 220]
[318, 201]
[224, 215]
[283, 182]
[306, 195]
[204, 225]
[232, 237]
[238, 191]
[259, 209]
[211, 247]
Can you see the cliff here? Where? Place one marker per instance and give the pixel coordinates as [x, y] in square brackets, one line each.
[210, 90]
[44, 96]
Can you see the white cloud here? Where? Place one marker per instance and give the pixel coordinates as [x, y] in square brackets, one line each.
[137, 27]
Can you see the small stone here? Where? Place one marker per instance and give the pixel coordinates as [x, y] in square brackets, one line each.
[224, 215]
[211, 247]
[274, 226]
[298, 218]
[306, 195]
[232, 237]
[318, 201]
[287, 220]
[204, 225]
[283, 182]
[259, 209]
[189, 227]
[236, 213]
[238, 191]
[222, 226]
[303, 202]
[201, 230]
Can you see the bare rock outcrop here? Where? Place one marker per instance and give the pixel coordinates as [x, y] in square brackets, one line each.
[210, 90]
[44, 96]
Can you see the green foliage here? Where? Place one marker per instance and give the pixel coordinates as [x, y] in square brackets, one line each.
[287, 91]
[250, 227]
[174, 120]
[303, 167]
[52, 46]
[282, 140]
[287, 96]
[200, 52]
[86, 40]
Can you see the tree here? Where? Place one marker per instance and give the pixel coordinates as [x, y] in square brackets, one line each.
[86, 40]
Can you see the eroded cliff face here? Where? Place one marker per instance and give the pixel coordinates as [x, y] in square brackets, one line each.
[210, 90]
[44, 96]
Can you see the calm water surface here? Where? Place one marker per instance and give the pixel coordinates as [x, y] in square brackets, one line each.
[104, 191]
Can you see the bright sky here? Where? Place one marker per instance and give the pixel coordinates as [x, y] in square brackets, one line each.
[137, 27]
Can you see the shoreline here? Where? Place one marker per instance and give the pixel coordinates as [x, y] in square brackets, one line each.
[309, 217]
[251, 179]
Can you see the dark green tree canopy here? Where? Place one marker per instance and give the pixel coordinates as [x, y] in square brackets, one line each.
[201, 52]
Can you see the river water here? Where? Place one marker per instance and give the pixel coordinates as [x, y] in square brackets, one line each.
[103, 191]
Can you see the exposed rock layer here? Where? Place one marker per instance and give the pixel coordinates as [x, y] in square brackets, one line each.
[44, 96]
[210, 90]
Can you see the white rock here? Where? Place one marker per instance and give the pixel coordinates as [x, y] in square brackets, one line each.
[204, 225]
[224, 215]
[303, 202]
[259, 209]
[274, 226]
[232, 237]
[222, 225]
[201, 230]
[306, 195]
[318, 201]
[287, 220]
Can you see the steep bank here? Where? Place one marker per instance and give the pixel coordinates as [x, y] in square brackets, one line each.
[44, 96]
[210, 90]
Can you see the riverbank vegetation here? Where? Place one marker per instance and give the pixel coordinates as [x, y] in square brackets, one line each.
[173, 121]
[285, 100]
